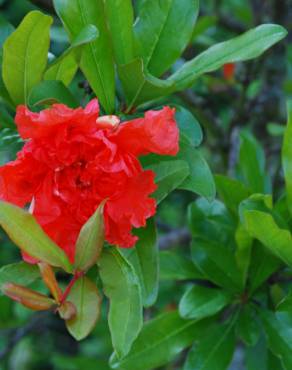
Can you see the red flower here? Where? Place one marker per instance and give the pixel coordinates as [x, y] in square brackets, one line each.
[228, 71]
[73, 159]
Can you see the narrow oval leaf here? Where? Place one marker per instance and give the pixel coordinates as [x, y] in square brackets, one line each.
[247, 46]
[121, 286]
[189, 128]
[287, 156]
[19, 273]
[169, 175]
[87, 301]
[163, 30]
[214, 350]
[144, 259]
[263, 227]
[49, 279]
[64, 67]
[120, 16]
[160, 341]
[50, 92]
[27, 234]
[23, 62]
[90, 241]
[97, 59]
[247, 327]
[199, 302]
[27, 297]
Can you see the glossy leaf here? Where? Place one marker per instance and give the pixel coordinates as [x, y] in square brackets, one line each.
[176, 267]
[144, 259]
[217, 262]
[214, 351]
[189, 128]
[121, 286]
[23, 62]
[19, 273]
[200, 179]
[163, 30]
[247, 326]
[199, 302]
[287, 156]
[263, 227]
[90, 241]
[97, 60]
[169, 175]
[139, 86]
[279, 337]
[64, 67]
[86, 299]
[247, 46]
[285, 305]
[120, 16]
[27, 234]
[160, 341]
[51, 92]
[244, 244]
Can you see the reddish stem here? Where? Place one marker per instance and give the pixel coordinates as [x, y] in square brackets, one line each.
[76, 276]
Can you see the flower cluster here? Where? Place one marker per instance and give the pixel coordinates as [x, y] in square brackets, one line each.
[73, 159]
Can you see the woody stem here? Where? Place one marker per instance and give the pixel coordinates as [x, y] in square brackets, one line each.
[67, 291]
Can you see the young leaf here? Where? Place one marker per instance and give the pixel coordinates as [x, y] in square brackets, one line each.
[97, 59]
[121, 286]
[23, 62]
[199, 302]
[86, 299]
[169, 175]
[214, 351]
[247, 46]
[19, 273]
[160, 341]
[50, 92]
[176, 267]
[287, 156]
[217, 262]
[64, 67]
[263, 227]
[120, 16]
[163, 30]
[27, 234]
[144, 258]
[49, 279]
[90, 241]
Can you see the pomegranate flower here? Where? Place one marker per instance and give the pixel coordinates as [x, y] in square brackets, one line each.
[73, 159]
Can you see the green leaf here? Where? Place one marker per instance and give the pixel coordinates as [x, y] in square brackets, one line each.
[189, 128]
[87, 301]
[90, 241]
[50, 92]
[23, 62]
[287, 156]
[160, 341]
[232, 192]
[97, 59]
[163, 30]
[199, 302]
[120, 16]
[6, 30]
[285, 305]
[247, 46]
[169, 175]
[144, 259]
[19, 273]
[217, 262]
[214, 350]
[252, 164]
[244, 244]
[247, 327]
[176, 267]
[121, 286]
[64, 67]
[139, 86]
[27, 234]
[279, 337]
[200, 179]
[263, 227]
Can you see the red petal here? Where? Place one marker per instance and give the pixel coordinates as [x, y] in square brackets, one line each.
[156, 133]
